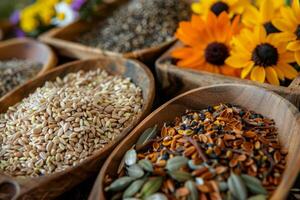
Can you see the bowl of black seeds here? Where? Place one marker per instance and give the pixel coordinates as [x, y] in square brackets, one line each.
[140, 29]
[22, 60]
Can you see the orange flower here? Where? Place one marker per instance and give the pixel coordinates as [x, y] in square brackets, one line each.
[206, 43]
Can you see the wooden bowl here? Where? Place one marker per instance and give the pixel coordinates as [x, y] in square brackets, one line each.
[175, 80]
[50, 186]
[267, 103]
[25, 48]
[62, 39]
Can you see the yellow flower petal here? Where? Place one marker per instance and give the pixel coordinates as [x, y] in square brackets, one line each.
[247, 70]
[297, 57]
[288, 70]
[272, 76]
[258, 74]
[296, 9]
[288, 15]
[282, 25]
[294, 46]
[251, 16]
[266, 10]
[285, 36]
[279, 73]
[287, 57]
[260, 33]
[236, 62]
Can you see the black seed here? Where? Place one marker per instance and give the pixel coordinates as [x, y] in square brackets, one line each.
[270, 28]
[210, 109]
[219, 7]
[165, 156]
[265, 55]
[216, 53]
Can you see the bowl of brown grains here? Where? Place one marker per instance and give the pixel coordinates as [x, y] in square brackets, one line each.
[219, 142]
[139, 29]
[22, 60]
[60, 126]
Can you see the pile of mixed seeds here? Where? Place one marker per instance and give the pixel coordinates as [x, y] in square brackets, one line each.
[65, 121]
[138, 24]
[222, 152]
[15, 72]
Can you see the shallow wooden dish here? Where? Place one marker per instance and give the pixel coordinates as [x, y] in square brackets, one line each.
[62, 39]
[25, 48]
[175, 80]
[50, 186]
[286, 116]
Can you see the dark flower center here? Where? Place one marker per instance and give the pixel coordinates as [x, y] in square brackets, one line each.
[297, 32]
[216, 53]
[270, 28]
[265, 55]
[219, 7]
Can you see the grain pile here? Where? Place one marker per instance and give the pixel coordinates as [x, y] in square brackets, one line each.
[138, 24]
[65, 121]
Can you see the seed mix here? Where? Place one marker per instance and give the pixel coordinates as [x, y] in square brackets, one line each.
[138, 24]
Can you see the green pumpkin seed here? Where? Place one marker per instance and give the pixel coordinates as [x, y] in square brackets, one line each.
[130, 157]
[148, 134]
[180, 176]
[151, 186]
[254, 184]
[135, 171]
[237, 187]
[223, 186]
[119, 184]
[134, 188]
[157, 196]
[258, 197]
[176, 163]
[146, 165]
[191, 186]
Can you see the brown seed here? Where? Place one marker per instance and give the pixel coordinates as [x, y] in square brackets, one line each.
[182, 192]
[205, 188]
[207, 175]
[170, 185]
[277, 156]
[217, 150]
[233, 162]
[189, 151]
[215, 196]
[247, 146]
[249, 134]
[242, 157]
[221, 169]
[199, 172]
[229, 137]
[257, 145]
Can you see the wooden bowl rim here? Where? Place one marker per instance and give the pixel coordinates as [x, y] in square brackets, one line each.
[159, 63]
[148, 101]
[100, 179]
[47, 64]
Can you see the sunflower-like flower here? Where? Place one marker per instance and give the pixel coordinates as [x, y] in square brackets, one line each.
[262, 56]
[275, 4]
[263, 15]
[206, 43]
[232, 7]
[289, 24]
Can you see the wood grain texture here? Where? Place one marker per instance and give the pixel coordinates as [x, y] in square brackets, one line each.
[62, 39]
[286, 116]
[25, 48]
[50, 186]
[175, 80]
